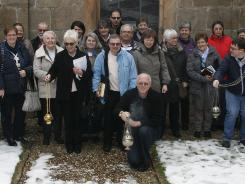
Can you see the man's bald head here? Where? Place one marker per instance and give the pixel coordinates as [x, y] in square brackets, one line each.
[144, 76]
[143, 84]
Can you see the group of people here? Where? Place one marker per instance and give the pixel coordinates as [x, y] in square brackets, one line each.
[143, 77]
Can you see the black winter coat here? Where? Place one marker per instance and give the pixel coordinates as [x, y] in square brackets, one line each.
[231, 68]
[177, 57]
[62, 70]
[10, 79]
[148, 110]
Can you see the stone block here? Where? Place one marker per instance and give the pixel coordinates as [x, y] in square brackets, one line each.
[240, 3]
[58, 3]
[38, 15]
[15, 3]
[8, 16]
[230, 19]
[241, 19]
[212, 3]
[185, 3]
[32, 3]
[197, 17]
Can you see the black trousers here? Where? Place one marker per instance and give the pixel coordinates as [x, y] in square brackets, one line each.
[173, 116]
[13, 121]
[112, 122]
[71, 110]
[56, 124]
[185, 112]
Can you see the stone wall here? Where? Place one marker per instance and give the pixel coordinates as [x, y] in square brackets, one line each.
[12, 11]
[202, 13]
[60, 13]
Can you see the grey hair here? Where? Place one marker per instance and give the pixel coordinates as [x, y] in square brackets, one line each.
[144, 75]
[185, 24]
[127, 25]
[46, 33]
[71, 34]
[169, 33]
[93, 35]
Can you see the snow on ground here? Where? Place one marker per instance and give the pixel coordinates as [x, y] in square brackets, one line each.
[202, 162]
[9, 157]
[40, 174]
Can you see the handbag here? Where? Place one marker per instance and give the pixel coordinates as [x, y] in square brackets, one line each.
[32, 101]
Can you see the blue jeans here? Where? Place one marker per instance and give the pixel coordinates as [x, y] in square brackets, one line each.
[234, 105]
[144, 137]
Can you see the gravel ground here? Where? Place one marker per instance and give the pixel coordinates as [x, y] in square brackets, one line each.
[91, 165]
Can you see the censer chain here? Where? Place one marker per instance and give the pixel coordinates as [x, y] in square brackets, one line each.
[234, 83]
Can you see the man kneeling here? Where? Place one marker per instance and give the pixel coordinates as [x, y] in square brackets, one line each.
[142, 108]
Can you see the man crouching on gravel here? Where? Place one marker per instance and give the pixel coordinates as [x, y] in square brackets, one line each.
[142, 109]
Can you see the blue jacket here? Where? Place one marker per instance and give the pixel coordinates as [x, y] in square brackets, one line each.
[231, 68]
[127, 72]
[10, 79]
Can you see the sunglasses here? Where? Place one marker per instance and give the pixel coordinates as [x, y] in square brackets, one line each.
[71, 44]
[115, 18]
[42, 30]
[115, 44]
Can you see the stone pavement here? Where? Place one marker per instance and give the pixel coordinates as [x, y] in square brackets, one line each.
[91, 165]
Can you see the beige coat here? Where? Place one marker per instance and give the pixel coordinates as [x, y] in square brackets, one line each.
[41, 66]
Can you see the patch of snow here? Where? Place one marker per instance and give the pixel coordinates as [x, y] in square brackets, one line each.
[202, 162]
[9, 157]
[40, 174]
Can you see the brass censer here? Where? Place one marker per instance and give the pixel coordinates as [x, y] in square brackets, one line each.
[127, 139]
[48, 117]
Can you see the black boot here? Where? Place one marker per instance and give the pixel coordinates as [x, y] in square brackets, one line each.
[46, 141]
[11, 142]
[197, 134]
[207, 134]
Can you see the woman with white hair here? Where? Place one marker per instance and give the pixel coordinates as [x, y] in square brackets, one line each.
[43, 59]
[72, 69]
[176, 61]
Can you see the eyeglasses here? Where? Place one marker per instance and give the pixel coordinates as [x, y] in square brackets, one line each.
[115, 44]
[143, 84]
[114, 18]
[71, 44]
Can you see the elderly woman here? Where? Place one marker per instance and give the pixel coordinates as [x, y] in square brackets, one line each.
[91, 46]
[72, 69]
[15, 67]
[176, 61]
[44, 58]
[201, 90]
